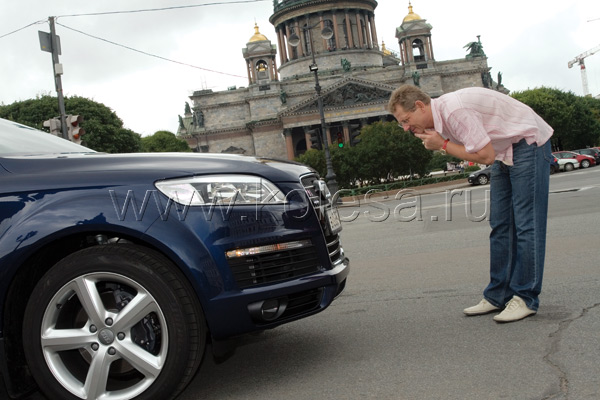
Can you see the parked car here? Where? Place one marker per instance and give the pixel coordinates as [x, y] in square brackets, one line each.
[116, 270]
[592, 152]
[554, 166]
[567, 164]
[583, 160]
[480, 177]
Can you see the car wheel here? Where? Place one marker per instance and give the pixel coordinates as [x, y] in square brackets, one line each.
[585, 163]
[569, 167]
[482, 179]
[113, 322]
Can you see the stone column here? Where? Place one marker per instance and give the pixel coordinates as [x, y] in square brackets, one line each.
[335, 31]
[359, 30]
[350, 40]
[300, 33]
[374, 30]
[289, 46]
[346, 130]
[289, 144]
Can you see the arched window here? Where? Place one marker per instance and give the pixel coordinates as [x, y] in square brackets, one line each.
[261, 69]
[418, 50]
[363, 33]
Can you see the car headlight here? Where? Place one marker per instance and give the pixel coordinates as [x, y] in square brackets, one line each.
[221, 190]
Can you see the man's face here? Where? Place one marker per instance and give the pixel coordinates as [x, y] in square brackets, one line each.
[415, 121]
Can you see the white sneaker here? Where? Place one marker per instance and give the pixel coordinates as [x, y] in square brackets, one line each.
[483, 307]
[514, 311]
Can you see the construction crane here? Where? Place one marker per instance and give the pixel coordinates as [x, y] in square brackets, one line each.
[580, 60]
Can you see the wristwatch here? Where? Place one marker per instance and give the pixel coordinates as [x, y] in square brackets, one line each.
[443, 149]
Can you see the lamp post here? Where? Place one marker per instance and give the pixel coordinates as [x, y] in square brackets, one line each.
[294, 41]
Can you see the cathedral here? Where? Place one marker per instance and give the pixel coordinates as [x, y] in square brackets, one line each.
[326, 47]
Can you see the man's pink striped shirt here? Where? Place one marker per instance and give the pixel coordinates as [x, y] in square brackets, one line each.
[475, 117]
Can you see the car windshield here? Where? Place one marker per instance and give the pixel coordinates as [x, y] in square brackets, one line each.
[17, 139]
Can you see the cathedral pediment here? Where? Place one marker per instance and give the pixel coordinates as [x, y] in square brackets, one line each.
[348, 93]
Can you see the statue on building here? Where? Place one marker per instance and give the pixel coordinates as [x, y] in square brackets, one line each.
[198, 119]
[346, 65]
[283, 96]
[416, 77]
[499, 79]
[486, 79]
[475, 48]
[188, 110]
[181, 126]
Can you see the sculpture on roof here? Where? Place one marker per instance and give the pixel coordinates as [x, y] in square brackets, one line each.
[475, 48]
[345, 65]
[187, 111]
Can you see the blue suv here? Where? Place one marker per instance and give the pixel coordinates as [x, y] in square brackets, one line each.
[116, 270]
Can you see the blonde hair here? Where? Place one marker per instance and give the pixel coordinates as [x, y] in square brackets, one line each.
[406, 96]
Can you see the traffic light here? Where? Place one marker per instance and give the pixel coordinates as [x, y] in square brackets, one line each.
[354, 133]
[74, 130]
[53, 125]
[315, 138]
[340, 139]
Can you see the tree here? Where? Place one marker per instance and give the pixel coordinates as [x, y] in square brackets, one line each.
[164, 141]
[384, 153]
[574, 118]
[387, 152]
[103, 128]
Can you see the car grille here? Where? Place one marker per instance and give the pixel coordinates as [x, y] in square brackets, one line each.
[257, 269]
[284, 261]
[336, 254]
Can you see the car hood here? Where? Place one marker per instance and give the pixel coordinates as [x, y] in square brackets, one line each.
[160, 165]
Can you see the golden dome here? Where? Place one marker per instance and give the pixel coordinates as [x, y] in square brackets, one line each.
[257, 37]
[411, 15]
[384, 50]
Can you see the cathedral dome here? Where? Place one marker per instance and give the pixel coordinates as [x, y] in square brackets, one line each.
[411, 15]
[257, 37]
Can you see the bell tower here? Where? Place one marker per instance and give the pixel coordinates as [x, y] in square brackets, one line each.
[260, 59]
[414, 38]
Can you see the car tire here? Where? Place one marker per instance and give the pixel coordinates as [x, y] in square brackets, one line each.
[113, 321]
[585, 163]
[569, 167]
[483, 179]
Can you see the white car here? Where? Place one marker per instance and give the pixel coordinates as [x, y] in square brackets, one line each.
[567, 164]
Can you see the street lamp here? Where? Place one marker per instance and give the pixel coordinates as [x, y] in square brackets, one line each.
[294, 40]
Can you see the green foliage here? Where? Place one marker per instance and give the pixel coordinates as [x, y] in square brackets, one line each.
[440, 161]
[575, 119]
[472, 168]
[164, 141]
[103, 128]
[314, 159]
[384, 153]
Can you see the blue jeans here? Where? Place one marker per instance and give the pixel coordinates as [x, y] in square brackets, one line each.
[518, 217]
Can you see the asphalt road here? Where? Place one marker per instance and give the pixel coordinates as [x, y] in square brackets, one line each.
[398, 331]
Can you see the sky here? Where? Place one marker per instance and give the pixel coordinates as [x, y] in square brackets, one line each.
[121, 59]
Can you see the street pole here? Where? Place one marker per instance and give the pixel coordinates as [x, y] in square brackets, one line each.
[330, 178]
[57, 68]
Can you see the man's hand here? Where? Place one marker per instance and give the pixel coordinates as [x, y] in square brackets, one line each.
[431, 139]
